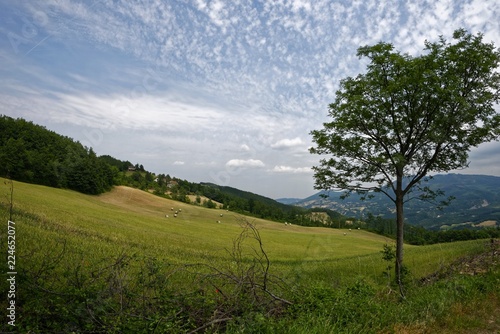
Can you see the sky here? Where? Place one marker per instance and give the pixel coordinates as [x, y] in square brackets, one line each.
[211, 91]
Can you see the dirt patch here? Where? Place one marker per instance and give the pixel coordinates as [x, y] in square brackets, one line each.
[192, 198]
[469, 265]
[137, 200]
[488, 223]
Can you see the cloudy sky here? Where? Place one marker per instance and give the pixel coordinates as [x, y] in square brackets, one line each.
[210, 91]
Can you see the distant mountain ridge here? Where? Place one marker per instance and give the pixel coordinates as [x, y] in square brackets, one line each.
[477, 199]
[289, 201]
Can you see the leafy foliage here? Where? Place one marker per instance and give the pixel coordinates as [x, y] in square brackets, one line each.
[407, 117]
[31, 153]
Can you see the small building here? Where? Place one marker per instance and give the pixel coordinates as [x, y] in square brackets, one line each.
[171, 184]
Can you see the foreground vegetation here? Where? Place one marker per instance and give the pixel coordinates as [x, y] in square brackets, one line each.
[116, 263]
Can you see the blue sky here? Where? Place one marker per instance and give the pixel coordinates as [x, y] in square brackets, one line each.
[210, 91]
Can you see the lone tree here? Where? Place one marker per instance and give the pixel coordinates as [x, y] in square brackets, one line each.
[407, 117]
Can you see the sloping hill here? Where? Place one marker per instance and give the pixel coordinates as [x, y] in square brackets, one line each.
[128, 218]
[477, 199]
[31, 153]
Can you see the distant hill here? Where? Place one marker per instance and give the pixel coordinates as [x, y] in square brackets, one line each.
[264, 207]
[477, 199]
[289, 201]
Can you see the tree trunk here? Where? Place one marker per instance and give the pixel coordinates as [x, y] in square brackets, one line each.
[399, 233]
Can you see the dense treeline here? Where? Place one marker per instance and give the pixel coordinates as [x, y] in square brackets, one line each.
[417, 235]
[31, 153]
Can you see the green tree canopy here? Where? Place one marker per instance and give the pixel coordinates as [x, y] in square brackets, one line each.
[407, 117]
[31, 153]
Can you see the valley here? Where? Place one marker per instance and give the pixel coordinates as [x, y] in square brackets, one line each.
[476, 200]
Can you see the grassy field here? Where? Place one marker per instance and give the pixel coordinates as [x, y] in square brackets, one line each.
[61, 234]
[135, 221]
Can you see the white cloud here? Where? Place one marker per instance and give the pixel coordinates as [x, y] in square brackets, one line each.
[244, 163]
[178, 163]
[287, 143]
[292, 170]
[118, 111]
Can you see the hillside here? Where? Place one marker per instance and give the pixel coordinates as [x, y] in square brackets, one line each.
[289, 201]
[31, 153]
[116, 263]
[477, 200]
[136, 221]
[128, 218]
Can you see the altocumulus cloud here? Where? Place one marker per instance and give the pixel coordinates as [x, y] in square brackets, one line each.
[287, 143]
[292, 170]
[245, 163]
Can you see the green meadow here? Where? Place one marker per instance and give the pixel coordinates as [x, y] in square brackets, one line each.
[199, 271]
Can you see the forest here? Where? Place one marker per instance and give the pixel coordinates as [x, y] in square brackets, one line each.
[33, 154]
